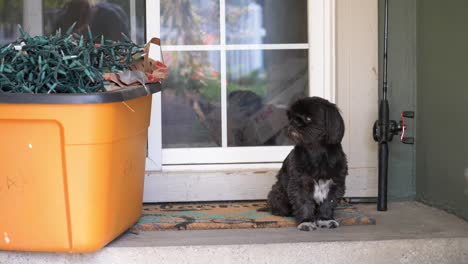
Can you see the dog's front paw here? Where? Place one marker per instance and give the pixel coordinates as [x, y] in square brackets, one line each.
[307, 226]
[328, 223]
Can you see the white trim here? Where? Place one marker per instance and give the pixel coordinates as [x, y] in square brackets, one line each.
[222, 21]
[267, 46]
[357, 77]
[133, 34]
[224, 155]
[321, 26]
[154, 159]
[192, 48]
[236, 47]
[330, 50]
[182, 186]
[222, 14]
[222, 167]
[32, 17]
[207, 186]
[152, 20]
[315, 32]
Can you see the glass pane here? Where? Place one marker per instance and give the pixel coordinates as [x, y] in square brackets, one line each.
[191, 108]
[266, 21]
[189, 22]
[261, 85]
[11, 14]
[110, 18]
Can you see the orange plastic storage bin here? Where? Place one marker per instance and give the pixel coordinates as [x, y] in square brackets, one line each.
[71, 168]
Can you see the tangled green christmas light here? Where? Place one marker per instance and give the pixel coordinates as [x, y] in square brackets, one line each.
[63, 63]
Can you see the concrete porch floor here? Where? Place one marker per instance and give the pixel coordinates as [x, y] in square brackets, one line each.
[408, 232]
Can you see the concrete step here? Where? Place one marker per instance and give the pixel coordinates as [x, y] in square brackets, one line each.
[408, 233]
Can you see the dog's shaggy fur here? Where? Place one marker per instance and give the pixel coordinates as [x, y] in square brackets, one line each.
[312, 179]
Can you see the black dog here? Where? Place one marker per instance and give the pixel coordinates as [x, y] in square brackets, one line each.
[312, 179]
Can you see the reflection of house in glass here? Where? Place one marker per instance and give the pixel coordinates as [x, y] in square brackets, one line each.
[247, 29]
[246, 26]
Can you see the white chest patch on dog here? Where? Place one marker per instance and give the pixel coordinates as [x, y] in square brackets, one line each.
[321, 189]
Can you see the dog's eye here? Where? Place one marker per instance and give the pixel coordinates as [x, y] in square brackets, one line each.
[308, 119]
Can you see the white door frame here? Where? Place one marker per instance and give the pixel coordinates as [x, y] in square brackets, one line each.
[153, 159]
[321, 54]
[32, 17]
[351, 67]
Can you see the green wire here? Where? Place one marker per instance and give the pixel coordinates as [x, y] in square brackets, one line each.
[62, 63]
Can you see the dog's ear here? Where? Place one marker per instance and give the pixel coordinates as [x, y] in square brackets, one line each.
[334, 125]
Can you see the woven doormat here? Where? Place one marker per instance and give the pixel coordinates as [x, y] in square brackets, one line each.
[228, 215]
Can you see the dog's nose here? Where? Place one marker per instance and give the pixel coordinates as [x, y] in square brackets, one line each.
[293, 134]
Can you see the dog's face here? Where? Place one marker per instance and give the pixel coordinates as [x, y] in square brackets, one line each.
[314, 120]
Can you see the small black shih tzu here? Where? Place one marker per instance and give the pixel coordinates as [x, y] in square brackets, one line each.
[312, 179]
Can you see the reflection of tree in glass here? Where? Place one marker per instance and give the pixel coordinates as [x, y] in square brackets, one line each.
[234, 14]
[189, 22]
[190, 73]
[192, 77]
[178, 24]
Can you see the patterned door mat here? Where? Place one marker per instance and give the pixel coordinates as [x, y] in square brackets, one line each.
[228, 215]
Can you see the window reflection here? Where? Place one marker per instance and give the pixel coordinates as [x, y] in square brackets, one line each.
[261, 84]
[190, 22]
[11, 14]
[108, 18]
[191, 100]
[266, 21]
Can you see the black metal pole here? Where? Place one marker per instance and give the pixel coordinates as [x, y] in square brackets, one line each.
[384, 126]
[383, 168]
[385, 53]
